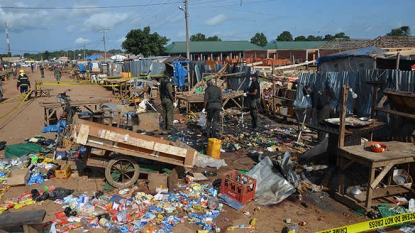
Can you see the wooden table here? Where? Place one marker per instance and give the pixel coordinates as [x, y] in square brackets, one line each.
[396, 153]
[50, 108]
[199, 98]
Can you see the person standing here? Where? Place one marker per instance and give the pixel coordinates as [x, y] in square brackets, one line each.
[32, 66]
[168, 101]
[42, 70]
[1, 89]
[23, 83]
[213, 105]
[58, 74]
[320, 99]
[254, 97]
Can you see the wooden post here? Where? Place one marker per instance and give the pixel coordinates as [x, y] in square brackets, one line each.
[343, 116]
[398, 58]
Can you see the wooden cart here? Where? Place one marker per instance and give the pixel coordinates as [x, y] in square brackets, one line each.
[123, 169]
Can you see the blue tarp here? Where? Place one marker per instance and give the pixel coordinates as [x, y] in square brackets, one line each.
[93, 57]
[82, 68]
[179, 73]
[351, 53]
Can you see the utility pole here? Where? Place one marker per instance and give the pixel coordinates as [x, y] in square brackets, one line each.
[186, 16]
[84, 51]
[105, 44]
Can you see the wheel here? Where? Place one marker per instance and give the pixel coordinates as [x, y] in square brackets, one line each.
[122, 172]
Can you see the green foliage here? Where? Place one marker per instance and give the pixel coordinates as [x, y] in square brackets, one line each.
[259, 39]
[141, 41]
[402, 31]
[328, 37]
[213, 38]
[300, 38]
[198, 37]
[341, 35]
[201, 37]
[314, 38]
[285, 36]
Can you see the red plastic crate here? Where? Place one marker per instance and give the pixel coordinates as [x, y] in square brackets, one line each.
[238, 186]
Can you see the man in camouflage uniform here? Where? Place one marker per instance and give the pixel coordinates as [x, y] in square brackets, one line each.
[168, 101]
[213, 105]
[254, 97]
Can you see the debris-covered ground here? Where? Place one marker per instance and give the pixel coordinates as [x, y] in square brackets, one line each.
[85, 202]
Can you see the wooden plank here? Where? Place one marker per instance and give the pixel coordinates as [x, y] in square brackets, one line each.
[385, 171]
[136, 154]
[82, 137]
[382, 192]
[19, 218]
[407, 115]
[343, 110]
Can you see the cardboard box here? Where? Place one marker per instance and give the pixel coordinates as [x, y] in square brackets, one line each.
[18, 177]
[63, 173]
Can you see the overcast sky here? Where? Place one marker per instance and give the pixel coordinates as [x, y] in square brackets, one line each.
[38, 25]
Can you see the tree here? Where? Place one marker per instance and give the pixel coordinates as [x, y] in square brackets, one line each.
[314, 38]
[341, 35]
[259, 39]
[201, 37]
[285, 36]
[213, 38]
[141, 41]
[198, 37]
[328, 37]
[402, 31]
[300, 38]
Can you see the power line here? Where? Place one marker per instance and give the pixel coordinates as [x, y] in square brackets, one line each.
[84, 7]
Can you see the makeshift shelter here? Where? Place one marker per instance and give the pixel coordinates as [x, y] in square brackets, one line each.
[402, 60]
[351, 60]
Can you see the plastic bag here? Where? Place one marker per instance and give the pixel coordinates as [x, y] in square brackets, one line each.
[206, 161]
[202, 120]
[60, 193]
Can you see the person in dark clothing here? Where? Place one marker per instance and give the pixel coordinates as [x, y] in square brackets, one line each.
[254, 97]
[23, 83]
[42, 70]
[168, 101]
[58, 74]
[320, 100]
[32, 67]
[213, 105]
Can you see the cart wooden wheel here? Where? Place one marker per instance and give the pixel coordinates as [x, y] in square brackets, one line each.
[122, 172]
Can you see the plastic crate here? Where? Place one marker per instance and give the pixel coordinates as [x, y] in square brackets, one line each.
[63, 173]
[238, 186]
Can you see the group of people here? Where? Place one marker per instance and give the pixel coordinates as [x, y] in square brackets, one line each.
[23, 82]
[212, 105]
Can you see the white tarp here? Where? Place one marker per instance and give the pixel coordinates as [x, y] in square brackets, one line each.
[118, 57]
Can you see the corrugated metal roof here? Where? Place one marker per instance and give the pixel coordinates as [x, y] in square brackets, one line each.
[212, 46]
[293, 45]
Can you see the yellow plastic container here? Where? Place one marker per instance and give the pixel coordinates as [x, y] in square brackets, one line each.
[213, 148]
[126, 74]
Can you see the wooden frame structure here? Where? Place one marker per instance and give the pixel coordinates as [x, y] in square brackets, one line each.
[379, 164]
[126, 142]
[50, 108]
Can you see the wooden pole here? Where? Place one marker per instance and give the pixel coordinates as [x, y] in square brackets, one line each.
[343, 115]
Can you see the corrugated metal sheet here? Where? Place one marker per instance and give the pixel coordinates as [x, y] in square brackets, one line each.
[395, 79]
[144, 67]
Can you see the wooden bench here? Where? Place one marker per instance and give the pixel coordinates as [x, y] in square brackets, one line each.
[30, 221]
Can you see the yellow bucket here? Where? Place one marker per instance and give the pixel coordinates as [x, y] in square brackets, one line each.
[213, 148]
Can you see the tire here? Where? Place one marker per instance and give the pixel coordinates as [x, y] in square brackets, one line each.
[128, 169]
